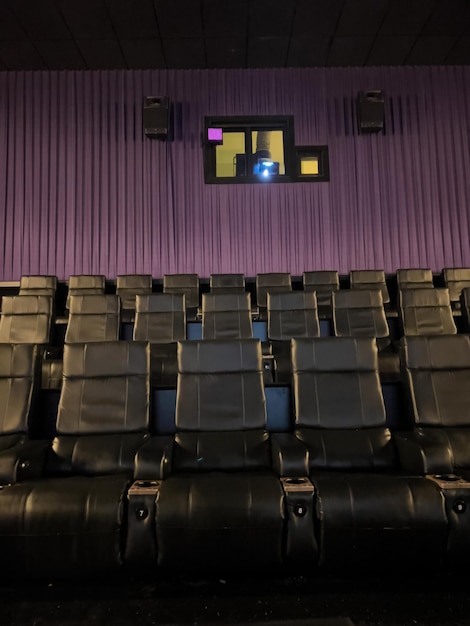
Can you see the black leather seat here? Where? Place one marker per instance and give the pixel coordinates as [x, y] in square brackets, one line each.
[186, 284]
[361, 313]
[291, 314]
[324, 283]
[465, 308]
[26, 319]
[226, 316]
[69, 522]
[93, 318]
[227, 283]
[414, 278]
[38, 286]
[128, 286]
[369, 516]
[370, 280]
[426, 312]
[456, 279]
[221, 508]
[160, 318]
[275, 282]
[85, 285]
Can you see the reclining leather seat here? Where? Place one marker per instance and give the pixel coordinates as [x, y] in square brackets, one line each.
[370, 280]
[85, 285]
[414, 278]
[187, 285]
[128, 286]
[160, 318]
[324, 283]
[276, 282]
[40, 285]
[426, 312]
[361, 313]
[456, 279]
[369, 516]
[26, 319]
[290, 315]
[226, 316]
[221, 508]
[227, 283]
[69, 522]
[465, 308]
[93, 318]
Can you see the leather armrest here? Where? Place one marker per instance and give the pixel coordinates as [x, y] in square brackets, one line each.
[153, 459]
[23, 462]
[422, 455]
[289, 455]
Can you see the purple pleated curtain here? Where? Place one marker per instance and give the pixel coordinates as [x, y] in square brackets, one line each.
[83, 191]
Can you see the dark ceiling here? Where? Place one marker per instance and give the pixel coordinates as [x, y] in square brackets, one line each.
[143, 34]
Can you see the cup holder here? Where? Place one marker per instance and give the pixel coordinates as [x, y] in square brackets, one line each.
[296, 481]
[448, 478]
[146, 483]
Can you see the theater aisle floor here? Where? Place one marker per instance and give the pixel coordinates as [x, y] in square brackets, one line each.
[295, 601]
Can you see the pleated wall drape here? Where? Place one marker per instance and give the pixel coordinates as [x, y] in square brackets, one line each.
[83, 191]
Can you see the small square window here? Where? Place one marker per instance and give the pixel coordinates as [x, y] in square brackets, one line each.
[312, 163]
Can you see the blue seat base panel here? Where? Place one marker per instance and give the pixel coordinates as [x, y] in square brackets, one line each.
[220, 522]
[62, 528]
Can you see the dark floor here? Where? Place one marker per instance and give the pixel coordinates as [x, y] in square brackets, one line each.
[301, 601]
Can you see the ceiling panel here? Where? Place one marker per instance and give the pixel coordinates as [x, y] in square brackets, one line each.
[10, 27]
[316, 18]
[40, 19]
[361, 17]
[61, 54]
[101, 54]
[267, 51]
[179, 19]
[184, 53]
[450, 17]
[407, 17]
[226, 52]
[430, 50]
[271, 18]
[460, 53]
[390, 50]
[87, 19]
[225, 19]
[308, 52]
[143, 53]
[349, 51]
[21, 55]
[133, 20]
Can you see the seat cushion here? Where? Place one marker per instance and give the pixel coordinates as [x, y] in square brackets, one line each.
[220, 522]
[62, 528]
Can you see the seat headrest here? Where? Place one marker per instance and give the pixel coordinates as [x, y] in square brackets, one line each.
[160, 303]
[322, 277]
[334, 354]
[134, 281]
[98, 304]
[87, 281]
[106, 359]
[357, 298]
[437, 352]
[367, 276]
[210, 356]
[27, 305]
[292, 301]
[218, 302]
[426, 297]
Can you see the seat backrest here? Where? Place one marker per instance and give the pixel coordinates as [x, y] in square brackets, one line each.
[160, 318]
[360, 313]
[456, 279]
[26, 319]
[414, 278]
[292, 314]
[226, 316]
[323, 282]
[276, 282]
[38, 286]
[370, 279]
[426, 312]
[187, 284]
[128, 286]
[227, 282]
[85, 285]
[220, 406]
[338, 405]
[103, 413]
[465, 308]
[93, 318]
[18, 373]
[437, 371]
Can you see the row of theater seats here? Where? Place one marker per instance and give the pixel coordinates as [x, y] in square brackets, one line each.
[322, 282]
[160, 318]
[338, 492]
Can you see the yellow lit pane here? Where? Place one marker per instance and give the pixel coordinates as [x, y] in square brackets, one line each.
[225, 155]
[309, 165]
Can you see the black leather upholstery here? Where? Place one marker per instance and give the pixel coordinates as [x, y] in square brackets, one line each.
[426, 311]
[465, 308]
[161, 319]
[290, 314]
[26, 319]
[85, 285]
[72, 526]
[363, 504]
[226, 316]
[227, 283]
[187, 284]
[38, 286]
[370, 279]
[323, 282]
[360, 313]
[414, 278]
[222, 506]
[456, 279]
[128, 286]
[93, 318]
[276, 282]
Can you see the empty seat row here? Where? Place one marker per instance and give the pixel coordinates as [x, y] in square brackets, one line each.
[338, 492]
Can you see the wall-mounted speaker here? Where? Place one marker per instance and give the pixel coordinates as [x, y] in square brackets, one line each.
[156, 116]
[370, 111]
